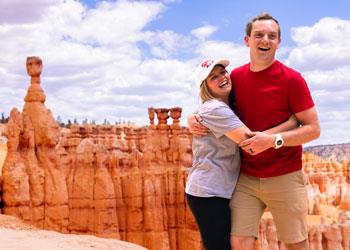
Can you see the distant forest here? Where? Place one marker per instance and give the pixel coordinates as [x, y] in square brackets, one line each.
[61, 123]
[69, 122]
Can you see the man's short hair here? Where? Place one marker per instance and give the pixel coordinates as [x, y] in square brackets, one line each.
[262, 16]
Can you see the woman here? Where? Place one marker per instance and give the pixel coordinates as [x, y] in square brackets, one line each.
[216, 157]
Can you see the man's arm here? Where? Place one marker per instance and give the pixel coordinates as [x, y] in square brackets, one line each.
[308, 131]
[291, 123]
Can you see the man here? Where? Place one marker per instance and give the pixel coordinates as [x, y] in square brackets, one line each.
[265, 93]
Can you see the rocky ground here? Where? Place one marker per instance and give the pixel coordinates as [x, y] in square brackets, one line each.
[16, 235]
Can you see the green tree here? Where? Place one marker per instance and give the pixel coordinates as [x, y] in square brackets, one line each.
[106, 122]
[59, 121]
[69, 123]
[3, 119]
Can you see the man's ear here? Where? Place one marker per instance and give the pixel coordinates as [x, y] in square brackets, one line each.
[246, 40]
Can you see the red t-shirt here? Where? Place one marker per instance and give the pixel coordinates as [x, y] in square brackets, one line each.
[263, 100]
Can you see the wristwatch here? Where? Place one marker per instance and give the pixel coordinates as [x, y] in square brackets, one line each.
[278, 141]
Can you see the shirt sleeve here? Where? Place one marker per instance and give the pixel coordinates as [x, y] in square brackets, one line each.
[299, 98]
[218, 117]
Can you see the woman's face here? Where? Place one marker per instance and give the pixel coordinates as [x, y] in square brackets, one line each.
[219, 82]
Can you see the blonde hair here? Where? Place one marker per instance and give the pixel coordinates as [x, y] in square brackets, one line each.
[205, 93]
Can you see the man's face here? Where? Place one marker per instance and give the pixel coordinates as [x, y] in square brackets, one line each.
[263, 41]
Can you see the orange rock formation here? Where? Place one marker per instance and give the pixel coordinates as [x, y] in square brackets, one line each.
[3, 146]
[115, 182]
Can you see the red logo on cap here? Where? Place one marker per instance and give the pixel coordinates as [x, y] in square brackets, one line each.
[207, 64]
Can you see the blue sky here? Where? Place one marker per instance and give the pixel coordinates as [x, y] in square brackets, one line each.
[113, 59]
[231, 16]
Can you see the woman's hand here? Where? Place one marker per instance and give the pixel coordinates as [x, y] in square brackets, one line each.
[257, 143]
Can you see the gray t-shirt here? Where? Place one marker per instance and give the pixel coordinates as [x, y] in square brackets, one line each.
[216, 158]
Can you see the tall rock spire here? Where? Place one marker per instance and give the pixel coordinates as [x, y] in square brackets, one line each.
[33, 184]
[34, 67]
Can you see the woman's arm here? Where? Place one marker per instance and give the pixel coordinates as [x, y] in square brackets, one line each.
[238, 134]
[291, 123]
[242, 133]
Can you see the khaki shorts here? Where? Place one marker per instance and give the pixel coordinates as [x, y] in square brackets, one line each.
[286, 198]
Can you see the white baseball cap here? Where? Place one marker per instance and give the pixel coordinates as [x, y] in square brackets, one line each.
[205, 67]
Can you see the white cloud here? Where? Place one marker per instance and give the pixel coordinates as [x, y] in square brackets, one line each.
[111, 23]
[85, 53]
[337, 79]
[329, 30]
[238, 54]
[19, 11]
[322, 46]
[322, 54]
[204, 32]
[167, 44]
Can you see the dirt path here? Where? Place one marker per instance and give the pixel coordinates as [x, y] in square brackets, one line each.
[18, 236]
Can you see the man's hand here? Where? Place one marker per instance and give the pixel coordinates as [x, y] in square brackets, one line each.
[195, 127]
[257, 143]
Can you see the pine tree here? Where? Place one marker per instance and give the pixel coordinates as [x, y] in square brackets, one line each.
[60, 122]
[106, 122]
[69, 123]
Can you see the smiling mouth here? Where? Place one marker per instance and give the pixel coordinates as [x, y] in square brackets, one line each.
[223, 84]
[264, 49]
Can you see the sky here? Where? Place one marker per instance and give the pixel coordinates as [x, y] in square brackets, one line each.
[114, 59]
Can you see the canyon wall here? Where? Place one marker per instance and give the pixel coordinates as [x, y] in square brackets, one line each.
[110, 181]
[338, 152]
[3, 146]
[3, 153]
